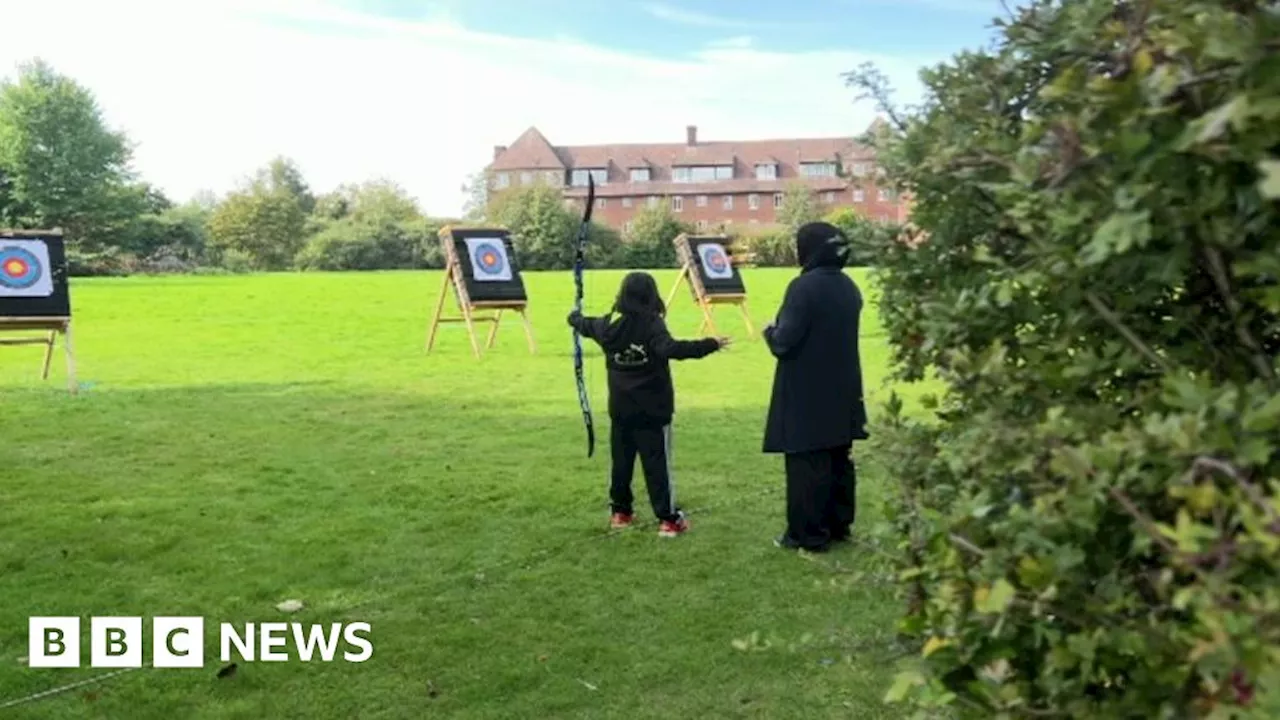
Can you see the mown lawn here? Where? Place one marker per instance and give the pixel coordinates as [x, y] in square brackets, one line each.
[245, 440]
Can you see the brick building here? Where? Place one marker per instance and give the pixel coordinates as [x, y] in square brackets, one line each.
[718, 184]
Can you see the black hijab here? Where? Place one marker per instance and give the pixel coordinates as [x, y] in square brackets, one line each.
[820, 244]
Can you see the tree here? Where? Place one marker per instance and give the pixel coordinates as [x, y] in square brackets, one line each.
[649, 242]
[542, 227]
[1089, 521]
[282, 174]
[265, 225]
[373, 226]
[62, 166]
[476, 188]
[798, 207]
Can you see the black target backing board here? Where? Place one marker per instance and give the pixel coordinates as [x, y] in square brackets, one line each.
[479, 290]
[33, 275]
[731, 285]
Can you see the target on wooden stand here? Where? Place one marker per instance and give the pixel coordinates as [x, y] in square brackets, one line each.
[33, 293]
[711, 270]
[482, 269]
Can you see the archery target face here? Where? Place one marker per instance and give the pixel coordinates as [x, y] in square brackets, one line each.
[24, 269]
[489, 259]
[715, 261]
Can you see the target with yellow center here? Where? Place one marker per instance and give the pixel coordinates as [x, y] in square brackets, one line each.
[23, 269]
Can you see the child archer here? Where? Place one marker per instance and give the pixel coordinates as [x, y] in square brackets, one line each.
[637, 348]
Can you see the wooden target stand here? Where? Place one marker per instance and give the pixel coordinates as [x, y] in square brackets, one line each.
[469, 310]
[49, 316]
[51, 327]
[705, 299]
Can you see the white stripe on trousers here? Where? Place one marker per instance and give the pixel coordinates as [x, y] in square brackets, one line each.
[671, 476]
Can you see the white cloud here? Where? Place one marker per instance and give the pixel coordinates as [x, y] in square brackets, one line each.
[211, 91]
[740, 41]
[691, 17]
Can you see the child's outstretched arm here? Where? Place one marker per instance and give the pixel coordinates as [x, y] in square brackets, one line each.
[589, 327]
[672, 349]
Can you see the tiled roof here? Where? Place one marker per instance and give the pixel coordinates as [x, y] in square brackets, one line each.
[531, 151]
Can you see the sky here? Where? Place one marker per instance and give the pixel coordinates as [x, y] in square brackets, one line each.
[419, 93]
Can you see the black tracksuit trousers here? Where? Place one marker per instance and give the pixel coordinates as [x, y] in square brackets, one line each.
[821, 497]
[653, 444]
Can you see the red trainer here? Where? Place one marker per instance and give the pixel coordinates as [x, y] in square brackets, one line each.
[670, 528]
[620, 520]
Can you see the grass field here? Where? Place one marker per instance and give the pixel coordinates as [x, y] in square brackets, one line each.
[245, 440]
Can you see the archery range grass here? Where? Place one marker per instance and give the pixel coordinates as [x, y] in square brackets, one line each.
[245, 440]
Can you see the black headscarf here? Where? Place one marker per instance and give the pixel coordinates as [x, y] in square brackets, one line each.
[820, 244]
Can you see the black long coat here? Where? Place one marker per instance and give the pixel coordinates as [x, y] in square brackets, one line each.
[817, 400]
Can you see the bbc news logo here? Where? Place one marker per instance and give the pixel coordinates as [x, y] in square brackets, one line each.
[178, 642]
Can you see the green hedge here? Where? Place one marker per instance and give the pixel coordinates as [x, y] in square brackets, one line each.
[1088, 520]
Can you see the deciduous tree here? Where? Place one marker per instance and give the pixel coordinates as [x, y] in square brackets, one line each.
[62, 166]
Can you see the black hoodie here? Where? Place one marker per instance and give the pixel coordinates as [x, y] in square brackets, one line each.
[637, 350]
[817, 401]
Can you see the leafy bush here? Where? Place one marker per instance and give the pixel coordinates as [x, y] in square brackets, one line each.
[650, 241]
[862, 233]
[772, 247]
[349, 244]
[1090, 523]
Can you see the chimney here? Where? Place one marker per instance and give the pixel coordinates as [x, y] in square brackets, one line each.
[498, 150]
[691, 135]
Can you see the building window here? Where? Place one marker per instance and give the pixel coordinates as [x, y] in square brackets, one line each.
[861, 169]
[728, 202]
[884, 195]
[626, 226]
[777, 200]
[626, 202]
[859, 195]
[600, 203]
[702, 173]
[501, 180]
[767, 171]
[677, 204]
[639, 174]
[818, 169]
[702, 201]
[753, 201]
[579, 177]
[526, 178]
[554, 178]
[828, 197]
[653, 201]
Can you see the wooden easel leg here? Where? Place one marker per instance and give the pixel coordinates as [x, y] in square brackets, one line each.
[708, 323]
[48, 354]
[528, 331]
[671, 296]
[471, 330]
[435, 321]
[72, 385]
[493, 332]
[746, 318]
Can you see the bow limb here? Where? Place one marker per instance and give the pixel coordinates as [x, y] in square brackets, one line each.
[579, 265]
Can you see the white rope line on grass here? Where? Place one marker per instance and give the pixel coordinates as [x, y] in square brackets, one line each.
[479, 572]
[64, 688]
